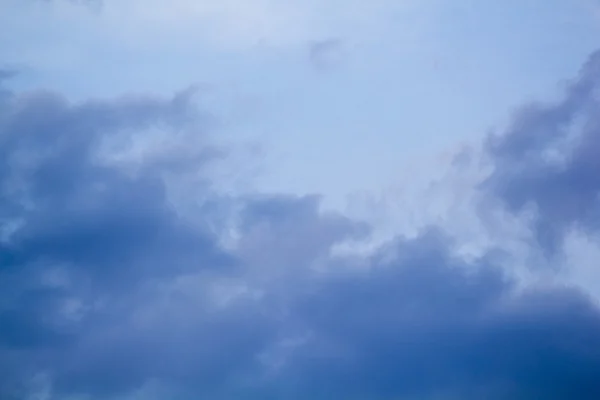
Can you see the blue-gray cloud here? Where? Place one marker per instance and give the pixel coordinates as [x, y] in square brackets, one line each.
[105, 231]
[549, 160]
[105, 286]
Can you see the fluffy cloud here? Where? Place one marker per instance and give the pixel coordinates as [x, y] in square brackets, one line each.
[547, 162]
[108, 290]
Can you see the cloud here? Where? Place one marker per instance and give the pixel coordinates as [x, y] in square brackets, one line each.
[6, 73]
[108, 289]
[425, 324]
[78, 229]
[547, 163]
[324, 54]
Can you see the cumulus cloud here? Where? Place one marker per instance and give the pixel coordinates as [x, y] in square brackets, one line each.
[77, 230]
[546, 164]
[109, 291]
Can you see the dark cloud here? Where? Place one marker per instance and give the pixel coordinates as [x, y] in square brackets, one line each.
[422, 323]
[106, 287]
[548, 160]
[78, 229]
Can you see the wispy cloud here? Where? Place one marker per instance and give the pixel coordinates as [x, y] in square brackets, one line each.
[324, 54]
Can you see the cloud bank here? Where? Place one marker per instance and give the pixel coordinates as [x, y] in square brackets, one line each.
[111, 289]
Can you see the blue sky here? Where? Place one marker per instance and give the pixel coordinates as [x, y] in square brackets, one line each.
[293, 199]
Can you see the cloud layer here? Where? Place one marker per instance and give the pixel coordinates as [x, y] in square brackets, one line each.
[112, 289]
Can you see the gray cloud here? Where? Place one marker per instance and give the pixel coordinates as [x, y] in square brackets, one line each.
[548, 160]
[106, 288]
[79, 230]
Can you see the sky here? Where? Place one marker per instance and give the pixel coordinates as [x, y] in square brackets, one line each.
[299, 199]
